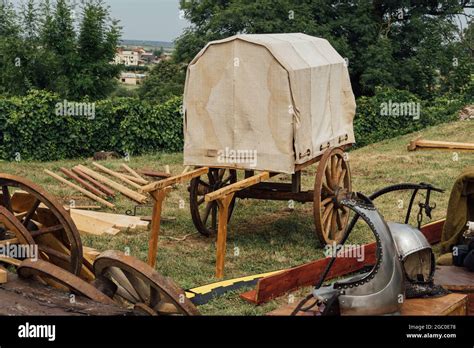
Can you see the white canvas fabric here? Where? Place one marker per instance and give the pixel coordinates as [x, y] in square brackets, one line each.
[266, 102]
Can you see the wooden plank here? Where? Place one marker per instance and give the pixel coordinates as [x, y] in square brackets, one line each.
[454, 278]
[90, 225]
[122, 189]
[116, 175]
[80, 189]
[153, 173]
[439, 145]
[174, 180]
[84, 183]
[134, 173]
[281, 283]
[239, 185]
[118, 220]
[451, 304]
[94, 182]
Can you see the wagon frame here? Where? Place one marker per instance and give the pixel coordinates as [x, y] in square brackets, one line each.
[213, 191]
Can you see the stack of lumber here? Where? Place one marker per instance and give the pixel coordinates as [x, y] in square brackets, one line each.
[98, 223]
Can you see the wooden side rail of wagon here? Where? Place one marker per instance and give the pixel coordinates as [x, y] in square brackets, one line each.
[158, 191]
[224, 197]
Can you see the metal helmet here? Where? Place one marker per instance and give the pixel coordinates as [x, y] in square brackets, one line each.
[415, 252]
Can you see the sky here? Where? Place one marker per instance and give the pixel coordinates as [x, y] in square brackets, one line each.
[157, 20]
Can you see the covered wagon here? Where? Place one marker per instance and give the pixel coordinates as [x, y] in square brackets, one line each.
[279, 99]
[273, 103]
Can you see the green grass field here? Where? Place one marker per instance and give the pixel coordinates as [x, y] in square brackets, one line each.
[265, 235]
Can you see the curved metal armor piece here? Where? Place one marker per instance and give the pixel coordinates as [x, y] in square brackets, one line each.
[415, 252]
[378, 291]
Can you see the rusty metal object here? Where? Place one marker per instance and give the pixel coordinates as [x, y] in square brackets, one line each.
[42, 216]
[52, 274]
[331, 186]
[140, 286]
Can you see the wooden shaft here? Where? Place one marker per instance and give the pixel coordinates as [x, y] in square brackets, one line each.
[122, 189]
[223, 204]
[158, 196]
[94, 182]
[115, 174]
[134, 173]
[84, 183]
[434, 144]
[174, 180]
[239, 185]
[80, 189]
[153, 173]
[134, 179]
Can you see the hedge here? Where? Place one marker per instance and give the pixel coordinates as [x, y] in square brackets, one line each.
[30, 125]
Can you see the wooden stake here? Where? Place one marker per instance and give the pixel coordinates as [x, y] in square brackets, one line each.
[115, 174]
[159, 197]
[94, 182]
[122, 189]
[80, 189]
[3, 275]
[84, 183]
[167, 169]
[223, 210]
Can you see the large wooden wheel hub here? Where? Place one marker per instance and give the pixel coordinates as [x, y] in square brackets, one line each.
[138, 285]
[332, 184]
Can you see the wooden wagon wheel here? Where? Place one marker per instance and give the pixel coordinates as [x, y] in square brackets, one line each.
[45, 220]
[332, 183]
[51, 274]
[204, 214]
[139, 285]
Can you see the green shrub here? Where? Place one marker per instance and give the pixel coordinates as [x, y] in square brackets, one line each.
[372, 124]
[31, 127]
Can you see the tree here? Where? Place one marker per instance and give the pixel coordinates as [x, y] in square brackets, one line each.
[396, 43]
[165, 81]
[41, 48]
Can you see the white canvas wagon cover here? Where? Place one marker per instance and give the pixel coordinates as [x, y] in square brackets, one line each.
[266, 102]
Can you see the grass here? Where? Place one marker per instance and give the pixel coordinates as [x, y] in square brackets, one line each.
[265, 236]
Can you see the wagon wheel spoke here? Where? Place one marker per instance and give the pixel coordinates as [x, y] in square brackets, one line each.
[327, 212]
[46, 230]
[122, 281]
[139, 286]
[333, 224]
[6, 198]
[342, 176]
[338, 220]
[31, 212]
[207, 212]
[155, 297]
[203, 183]
[227, 180]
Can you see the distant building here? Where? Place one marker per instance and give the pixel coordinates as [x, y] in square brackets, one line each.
[128, 78]
[129, 57]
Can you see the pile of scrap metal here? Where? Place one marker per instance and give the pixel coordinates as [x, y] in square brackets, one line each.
[48, 249]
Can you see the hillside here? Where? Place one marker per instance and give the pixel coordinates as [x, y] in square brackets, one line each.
[268, 235]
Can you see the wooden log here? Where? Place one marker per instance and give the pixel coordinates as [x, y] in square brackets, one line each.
[80, 189]
[94, 182]
[134, 173]
[153, 173]
[174, 180]
[116, 175]
[134, 179]
[239, 185]
[122, 189]
[84, 183]
[276, 285]
[419, 143]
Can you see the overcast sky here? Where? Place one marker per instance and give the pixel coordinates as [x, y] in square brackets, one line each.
[157, 20]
